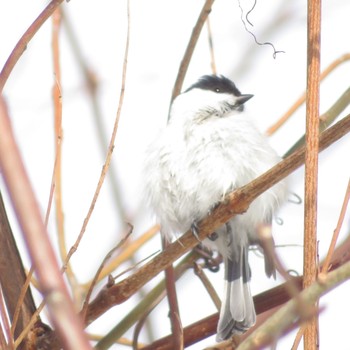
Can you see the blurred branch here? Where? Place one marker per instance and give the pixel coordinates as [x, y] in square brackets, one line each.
[57, 107]
[234, 203]
[326, 119]
[174, 312]
[29, 217]
[190, 48]
[128, 251]
[288, 314]
[24, 41]
[110, 146]
[13, 277]
[273, 128]
[336, 232]
[146, 304]
[207, 285]
[92, 84]
[211, 48]
[98, 272]
[268, 300]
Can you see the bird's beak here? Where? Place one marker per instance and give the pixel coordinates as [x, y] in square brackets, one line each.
[243, 98]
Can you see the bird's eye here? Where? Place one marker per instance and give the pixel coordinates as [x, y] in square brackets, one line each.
[217, 90]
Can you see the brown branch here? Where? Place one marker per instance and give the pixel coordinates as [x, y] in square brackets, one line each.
[235, 203]
[336, 232]
[263, 302]
[273, 128]
[41, 252]
[284, 317]
[311, 159]
[190, 48]
[24, 41]
[174, 312]
[13, 277]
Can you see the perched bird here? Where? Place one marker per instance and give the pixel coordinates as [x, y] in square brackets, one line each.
[210, 147]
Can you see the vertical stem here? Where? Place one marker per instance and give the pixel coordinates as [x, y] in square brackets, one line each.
[311, 158]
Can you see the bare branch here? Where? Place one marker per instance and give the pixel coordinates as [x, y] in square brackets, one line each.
[190, 48]
[235, 203]
[28, 213]
[24, 41]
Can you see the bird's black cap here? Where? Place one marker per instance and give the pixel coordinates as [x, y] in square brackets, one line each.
[216, 83]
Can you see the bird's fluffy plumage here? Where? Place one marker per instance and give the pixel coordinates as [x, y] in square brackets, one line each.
[209, 148]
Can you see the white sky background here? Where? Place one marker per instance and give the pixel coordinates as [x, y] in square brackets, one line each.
[159, 34]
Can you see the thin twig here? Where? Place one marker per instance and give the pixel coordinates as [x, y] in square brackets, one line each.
[126, 253]
[190, 48]
[211, 47]
[174, 312]
[234, 203]
[24, 41]
[110, 147]
[98, 272]
[5, 322]
[336, 232]
[57, 107]
[207, 285]
[92, 83]
[145, 305]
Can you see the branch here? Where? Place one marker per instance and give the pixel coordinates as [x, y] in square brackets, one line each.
[288, 314]
[311, 158]
[28, 213]
[24, 41]
[12, 275]
[263, 302]
[236, 202]
[190, 48]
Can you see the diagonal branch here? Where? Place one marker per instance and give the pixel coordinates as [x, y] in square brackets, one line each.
[41, 252]
[24, 41]
[190, 48]
[236, 202]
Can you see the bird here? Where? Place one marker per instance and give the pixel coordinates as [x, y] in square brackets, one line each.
[210, 147]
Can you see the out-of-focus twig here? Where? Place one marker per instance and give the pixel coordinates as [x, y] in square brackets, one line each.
[174, 312]
[57, 107]
[277, 323]
[336, 232]
[211, 47]
[5, 325]
[190, 48]
[273, 128]
[95, 279]
[110, 147]
[24, 41]
[234, 203]
[311, 159]
[208, 286]
[265, 301]
[126, 253]
[326, 119]
[19, 302]
[92, 84]
[29, 217]
[146, 304]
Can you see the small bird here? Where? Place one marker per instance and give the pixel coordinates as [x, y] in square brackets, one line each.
[209, 148]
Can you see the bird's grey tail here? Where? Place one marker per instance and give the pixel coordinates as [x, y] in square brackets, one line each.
[237, 312]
